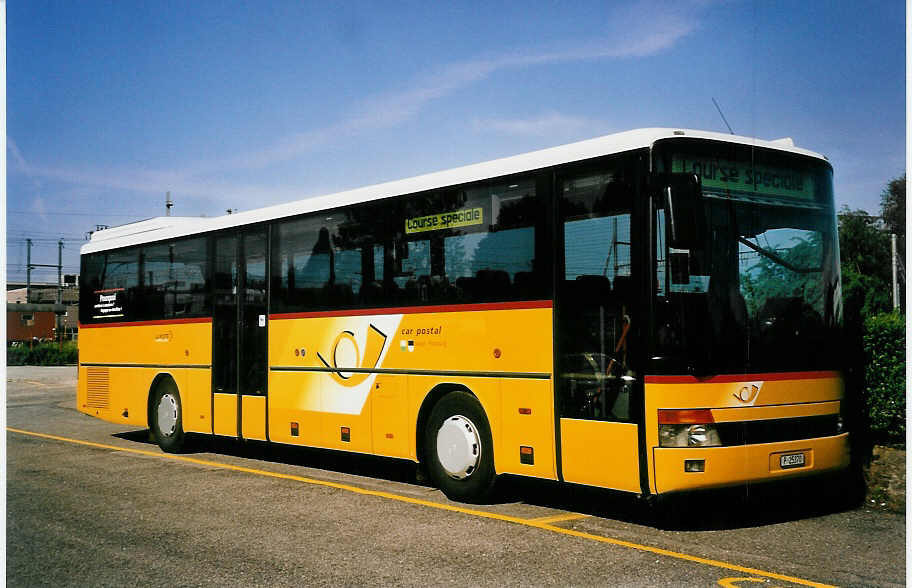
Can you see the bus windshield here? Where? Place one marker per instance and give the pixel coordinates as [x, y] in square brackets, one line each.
[760, 289]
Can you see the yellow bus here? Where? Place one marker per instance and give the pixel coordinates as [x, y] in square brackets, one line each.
[654, 311]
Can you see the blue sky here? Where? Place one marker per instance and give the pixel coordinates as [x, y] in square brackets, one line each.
[245, 104]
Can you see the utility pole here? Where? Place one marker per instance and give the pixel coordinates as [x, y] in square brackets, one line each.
[58, 319]
[895, 281]
[28, 271]
[168, 203]
[59, 271]
[29, 266]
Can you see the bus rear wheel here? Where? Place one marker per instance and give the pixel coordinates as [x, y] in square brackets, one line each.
[458, 448]
[167, 423]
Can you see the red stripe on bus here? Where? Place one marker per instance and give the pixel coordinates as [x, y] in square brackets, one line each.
[416, 309]
[730, 378]
[184, 321]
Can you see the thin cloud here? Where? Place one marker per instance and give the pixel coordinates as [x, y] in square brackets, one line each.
[392, 109]
[13, 149]
[544, 125]
[22, 166]
[39, 208]
[389, 110]
[640, 31]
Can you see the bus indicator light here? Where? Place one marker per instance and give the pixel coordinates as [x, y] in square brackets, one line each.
[294, 429]
[526, 455]
[346, 434]
[685, 416]
[525, 411]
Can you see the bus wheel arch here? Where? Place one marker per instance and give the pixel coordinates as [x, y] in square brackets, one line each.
[457, 448]
[165, 413]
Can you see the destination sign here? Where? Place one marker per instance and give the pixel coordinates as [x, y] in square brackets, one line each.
[448, 220]
[747, 178]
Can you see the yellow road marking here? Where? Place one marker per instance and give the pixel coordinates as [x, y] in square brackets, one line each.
[439, 506]
[735, 582]
[568, 516]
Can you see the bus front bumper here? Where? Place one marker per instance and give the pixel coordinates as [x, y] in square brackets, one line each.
[676, 469]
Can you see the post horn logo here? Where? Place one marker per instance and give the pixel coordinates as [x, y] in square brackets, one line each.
[344, 346]
[748, 393]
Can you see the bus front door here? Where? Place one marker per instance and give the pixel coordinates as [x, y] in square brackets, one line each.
[239, 336]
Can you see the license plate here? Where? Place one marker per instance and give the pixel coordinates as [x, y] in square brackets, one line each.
[791, 460]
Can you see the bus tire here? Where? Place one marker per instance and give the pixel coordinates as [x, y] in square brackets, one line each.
[166, 417]
[459, 450]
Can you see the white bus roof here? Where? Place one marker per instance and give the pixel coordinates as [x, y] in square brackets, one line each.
[159, 228]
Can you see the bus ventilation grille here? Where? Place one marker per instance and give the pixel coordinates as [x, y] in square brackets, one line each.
[98, 393]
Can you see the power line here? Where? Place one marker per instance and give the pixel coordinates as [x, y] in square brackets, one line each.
[22, 238]
[72, 213]
[43, 239]
[46, 234]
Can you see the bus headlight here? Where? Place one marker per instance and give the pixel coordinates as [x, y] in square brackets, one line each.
[698, 435]
[687, 428]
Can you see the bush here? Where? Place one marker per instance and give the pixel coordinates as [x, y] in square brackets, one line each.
[42, 354]
[885, 376]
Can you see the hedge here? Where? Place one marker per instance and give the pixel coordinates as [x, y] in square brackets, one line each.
[885, 376]
[42, 354]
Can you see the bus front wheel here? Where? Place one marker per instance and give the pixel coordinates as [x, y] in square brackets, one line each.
[167, 424]
[458, 447]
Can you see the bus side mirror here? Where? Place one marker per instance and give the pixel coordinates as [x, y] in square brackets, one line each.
[684, 211]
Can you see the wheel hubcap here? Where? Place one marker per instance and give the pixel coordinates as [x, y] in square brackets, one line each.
[458, 447]
[167, 414]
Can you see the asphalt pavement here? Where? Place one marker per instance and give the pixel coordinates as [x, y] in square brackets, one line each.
[91, 503]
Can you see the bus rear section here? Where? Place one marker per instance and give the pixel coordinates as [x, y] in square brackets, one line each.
[731, 430]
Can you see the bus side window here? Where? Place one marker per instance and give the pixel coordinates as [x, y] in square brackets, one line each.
[303, 264]
[113, 273]
[457, 245]
[330, 260]
[475, 244]
[175, 279]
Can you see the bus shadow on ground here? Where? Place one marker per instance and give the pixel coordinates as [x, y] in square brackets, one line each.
[708, 510]
[383, 468]
[733, 508]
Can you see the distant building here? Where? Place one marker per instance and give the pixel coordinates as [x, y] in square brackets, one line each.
[23, 326]
[37, 319]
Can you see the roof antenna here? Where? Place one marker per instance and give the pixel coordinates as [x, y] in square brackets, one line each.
[723, 117]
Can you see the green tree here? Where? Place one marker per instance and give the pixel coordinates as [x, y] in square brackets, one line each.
[864, 249]
[893, 205]
[893, 211]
